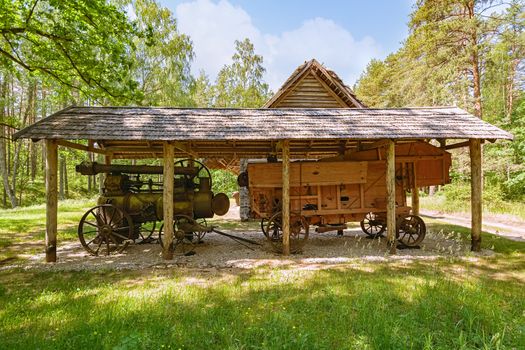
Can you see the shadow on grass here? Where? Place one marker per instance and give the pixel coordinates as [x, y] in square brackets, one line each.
[381, 307]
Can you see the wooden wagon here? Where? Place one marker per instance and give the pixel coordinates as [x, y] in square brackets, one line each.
[330, 192]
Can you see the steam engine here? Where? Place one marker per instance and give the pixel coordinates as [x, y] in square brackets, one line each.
[137, 192]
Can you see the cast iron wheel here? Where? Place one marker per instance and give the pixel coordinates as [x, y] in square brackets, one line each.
[299, 228]
[202, 171]
[411, 230]
[264, 222]
[372, 225]
[147, 229]
[105, 228]
[182, 234]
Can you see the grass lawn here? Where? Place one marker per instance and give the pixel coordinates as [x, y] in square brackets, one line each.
[22, 229]
[439, 203]
[449, 303]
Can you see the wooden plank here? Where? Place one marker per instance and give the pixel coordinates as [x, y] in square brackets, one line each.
[458, 145]
[391, 196]
[308, 173]
[167, 198]
[330, 91]
[51, 200]
[347, 211]
[290, 84]
[476, 193]
[338, 197]
[377, 144]
[415, 192]
[286, 196]
[361, 195]
[78, 146]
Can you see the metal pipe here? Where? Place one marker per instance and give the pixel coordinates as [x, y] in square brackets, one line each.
[88, 168]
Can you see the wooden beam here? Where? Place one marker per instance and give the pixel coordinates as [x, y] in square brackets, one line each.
[377, 144]
[80, 147]
[286, 196]
[476, 193]
[185, 148]
[391, 195]
[459, 145]
[167, 199]
[51, 200]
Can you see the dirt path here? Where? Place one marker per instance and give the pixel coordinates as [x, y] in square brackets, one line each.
[498, 225]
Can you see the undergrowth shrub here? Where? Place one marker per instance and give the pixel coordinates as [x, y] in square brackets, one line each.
[514, 188]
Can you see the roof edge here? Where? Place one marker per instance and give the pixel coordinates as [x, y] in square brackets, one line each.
[20, 133]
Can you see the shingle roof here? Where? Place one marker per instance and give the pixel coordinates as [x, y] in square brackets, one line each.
[156, 124]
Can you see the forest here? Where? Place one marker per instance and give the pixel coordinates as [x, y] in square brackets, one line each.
[93, 52]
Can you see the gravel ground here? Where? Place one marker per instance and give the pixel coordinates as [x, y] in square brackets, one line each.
[323, 250]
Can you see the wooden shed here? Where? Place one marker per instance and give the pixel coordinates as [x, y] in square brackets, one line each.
[167, 133]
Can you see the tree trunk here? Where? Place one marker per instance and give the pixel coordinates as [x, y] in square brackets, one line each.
[19, 144]
[3, 170]
[510, 93]
[474, 61]
[478, 108]
[32, 145]
[3, 156]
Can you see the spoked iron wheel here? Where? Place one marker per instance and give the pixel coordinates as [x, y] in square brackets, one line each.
[411, 230]
[372, 225]
[182, 234]
[264, 222]
[105, 229]
[147, 229]
[299, 229]
[202, 170]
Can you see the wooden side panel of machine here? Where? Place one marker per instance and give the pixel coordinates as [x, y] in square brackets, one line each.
[308, 173]
[432, 172]
[375, 187]
[432, 164]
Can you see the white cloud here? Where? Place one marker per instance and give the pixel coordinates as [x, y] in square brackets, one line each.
[214, 26]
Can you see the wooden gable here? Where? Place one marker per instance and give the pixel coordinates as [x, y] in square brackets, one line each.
[310, 92]
[313, 86]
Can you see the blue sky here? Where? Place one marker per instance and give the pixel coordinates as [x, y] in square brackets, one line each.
[343, 35]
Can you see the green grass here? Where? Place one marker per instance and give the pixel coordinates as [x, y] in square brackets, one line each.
[21, 226]
[449, 303]
[371, 306]
[440, 203]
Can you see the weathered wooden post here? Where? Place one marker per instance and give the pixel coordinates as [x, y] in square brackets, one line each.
[108, 159]
[167, 199]
[476, 193]
[391, 195]
[415, 199]
[286, 197]
[51, 200]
